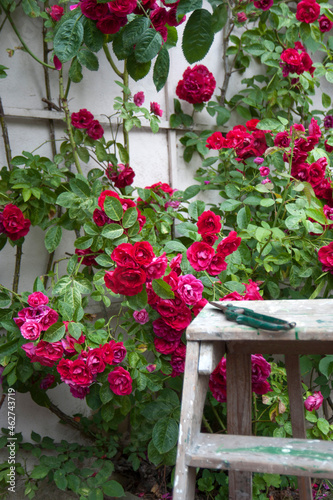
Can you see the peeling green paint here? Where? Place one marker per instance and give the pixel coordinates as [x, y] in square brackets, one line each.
[278, 450]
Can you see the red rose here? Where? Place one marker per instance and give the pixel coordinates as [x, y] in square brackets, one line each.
[155, 108]
[263, 4]
[325, 256]
[178, 359]
[49, 319]
[64, 370]
[99, 217]
[56, 12]
[197, 85]
[95, 360]
[120, 381]
[124, 177]
[48, 352]
[291, 56]
[216, 141]
[229, 244]
[261, 370]
[119, 352]
[282, 139]
[123, 255]
[252, 291]
[159, 17]
[199, 255]
[139, 98]
[164, 331]
[122, 7]
[328, 148]
[37, 299]
[199, 306]
[252, 124]
[232, 296]
[165, 346]
[325, 24]
[95, 130]
[190, 289]
[143, 253]
[209, 238]
[94, 10]
[209, 223]
[217, 265]
[317, 172]
[172, 17]
[13, 224]
[80, 373]
[172, 280]
[111, 23]
[307, 11]
[180, 320]
[83, 118]
[125, 280]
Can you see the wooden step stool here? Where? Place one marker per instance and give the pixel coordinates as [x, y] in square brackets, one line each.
[210, 336]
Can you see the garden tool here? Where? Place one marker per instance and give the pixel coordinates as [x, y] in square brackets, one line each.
[248, 317]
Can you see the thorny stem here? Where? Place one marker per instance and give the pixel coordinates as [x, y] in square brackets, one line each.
[227, 30]
[125, 99]
[207, 425]
[110, 60]
[26, 48]
[67, 419]
[218, 418]
[5, 136]
[17, 268]
[68, 122]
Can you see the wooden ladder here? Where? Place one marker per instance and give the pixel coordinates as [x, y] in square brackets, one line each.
[238, 452]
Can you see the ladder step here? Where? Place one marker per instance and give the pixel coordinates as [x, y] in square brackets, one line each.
[299, 457]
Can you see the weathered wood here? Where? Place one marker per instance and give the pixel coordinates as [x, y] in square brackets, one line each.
[295, 391]
[314, 321]
[209, 356]
[239, 416]
[269, 346]
[297, 457]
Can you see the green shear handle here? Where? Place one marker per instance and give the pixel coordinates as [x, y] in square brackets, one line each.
[248, 317]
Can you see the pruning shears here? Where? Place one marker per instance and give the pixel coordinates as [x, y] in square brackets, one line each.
[248, 317]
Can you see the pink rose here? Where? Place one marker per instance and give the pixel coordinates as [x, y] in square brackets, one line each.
[180, 320]
[157, 267]
[48, 352]
[190, 289]
[282, 139]
[120, 381]
[199, 255]
[178, 360]
[261, 370]
[264, 171]
[94, 10]
[252, 291]
[90, 259]
[197, 85]
[80, 373]
[141, 316]
[139, 98]
[47, 381]
[314, 402]
[216, 141]
[209, 238]
[56, 12]
[49, 319]
[121, 177]
[119, 352]
[37, 299]
[217, 265]
[241, 17]
[156, 109]
[83, 118]
[199, 306]
[78, 391]
[13, 223]
[95, 130]
[325, 24]
[108, 352]
[175, 264]
[31, 330]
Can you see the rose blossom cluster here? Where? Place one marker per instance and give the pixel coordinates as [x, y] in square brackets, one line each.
[83, 119]
[100, 218]
[111, 16]
[314, 173]
[13, 223]
[197, 85]
[81, 372]
[36, 318]
[121, 175]
[261, 370]
[163, 190]
[246, 141]
[136, 265]
[203, 257]
[296, 60]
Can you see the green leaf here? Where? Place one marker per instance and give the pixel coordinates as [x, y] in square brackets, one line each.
[133, 31]
[186, 6]
[104, 260]
[75, 329]
[191, 191]
[113, 208]
[148, 46]
[198, 35]
[62, 286]
[136, 70]
[230, 205]
[88, 59]
[113, 489]
[244, 112]
[52, 238]
[174, 246]
[30, 8]
[161, 69]
[243, 217]
[105, 393]
[39, 472]
[75, 71]
[54, 332]
[68, 39]
[323, 426]
[326, 100]
[326, 365]
[5, 300]
[165, 434]
[80, 186]
[130, 217]
[138, 301]
[123, 153]
[60, 480]
[66, 199]
[83, 242]
[219, 17]
[112, 231]
[162, 289]
[93, 37]
[272, 480]
[92, 398]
